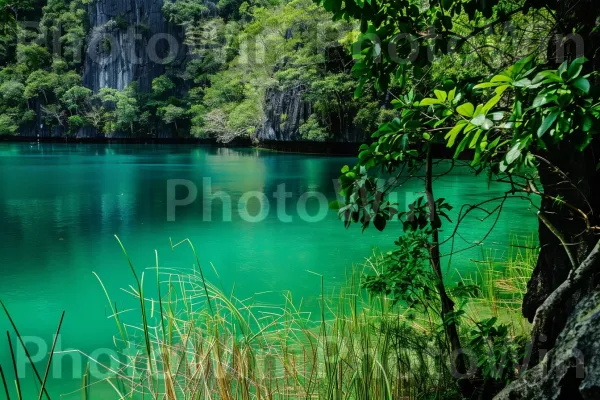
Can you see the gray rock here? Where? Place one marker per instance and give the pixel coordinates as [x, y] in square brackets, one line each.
[130, 40]
[285, 111]
[571, 370]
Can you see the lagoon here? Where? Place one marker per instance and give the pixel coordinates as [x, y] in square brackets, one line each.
[62, 204]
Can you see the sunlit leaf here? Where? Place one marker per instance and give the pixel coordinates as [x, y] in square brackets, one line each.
[547, 122]
[429, 102]
[513, 154]
[441, 95]
[451, 136]
[466, 109]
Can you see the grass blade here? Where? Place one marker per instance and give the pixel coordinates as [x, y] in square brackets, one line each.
[4, 383]
[14, 326]
[14, 362]
[62, 317]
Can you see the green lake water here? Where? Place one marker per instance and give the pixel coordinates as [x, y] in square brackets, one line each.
[62, 204]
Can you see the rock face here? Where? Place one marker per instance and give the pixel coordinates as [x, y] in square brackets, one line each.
[129, 40]
[571, 370]
[285, 111]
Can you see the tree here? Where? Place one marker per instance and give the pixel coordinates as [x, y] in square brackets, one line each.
[312, 130]
[54, 115]
[96, 117]
[170, 114]
[541, 113]
[184, 11]
[124, 108]
[18, 7]
[7, 125]
[162, 85]
[12, 92]
[42, 83]
[77, 99]
[33, 56]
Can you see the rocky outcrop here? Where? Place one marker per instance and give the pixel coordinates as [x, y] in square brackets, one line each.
[285, 111]
[571, 370]
[129, 40]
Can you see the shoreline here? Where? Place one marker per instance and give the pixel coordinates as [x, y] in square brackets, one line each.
[308, 147]
[342, 149]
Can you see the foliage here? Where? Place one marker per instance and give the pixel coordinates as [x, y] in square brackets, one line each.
[123, 108]
[532, 108]
[184, 11]
[170, 114]
[7, 125]
[311, 129]
[29, 67]
[362, 346]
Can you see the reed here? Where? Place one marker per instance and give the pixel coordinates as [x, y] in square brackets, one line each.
[198, 342]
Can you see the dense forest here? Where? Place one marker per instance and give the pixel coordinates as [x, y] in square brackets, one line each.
[272, 70]
[506, 89]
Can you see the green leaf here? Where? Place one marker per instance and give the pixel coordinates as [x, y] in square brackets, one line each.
[486, 85]
[562, 69]
[500, 78]
[542, 99]
[501, 89]
[525, 82]
[429, 102]
[475, 139]
[587, 123]
[513, 154]
[491, 103]
[466, 109]
[547, 76]
[359, 89]
[582, 84]
[547, 122]
[441, 95]
[575, 68]
[451, 136]
[451, 94]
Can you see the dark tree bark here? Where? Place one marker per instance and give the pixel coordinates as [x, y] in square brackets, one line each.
[570, 175]
[447, 305]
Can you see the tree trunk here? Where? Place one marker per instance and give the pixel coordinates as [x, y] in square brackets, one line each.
[447, 304]
[570, 175]
[579, 186]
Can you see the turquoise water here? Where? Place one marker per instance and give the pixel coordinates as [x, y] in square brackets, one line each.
[62, 204]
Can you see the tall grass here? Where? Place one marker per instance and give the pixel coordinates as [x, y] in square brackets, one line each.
[198, 342]
[503, 279]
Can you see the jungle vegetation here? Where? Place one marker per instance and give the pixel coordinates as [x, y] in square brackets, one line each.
[506, 88]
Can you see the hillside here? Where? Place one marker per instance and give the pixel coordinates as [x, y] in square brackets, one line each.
[266, 70]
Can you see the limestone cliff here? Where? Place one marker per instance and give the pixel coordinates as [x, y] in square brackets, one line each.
[285, 111]
[130, 40]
